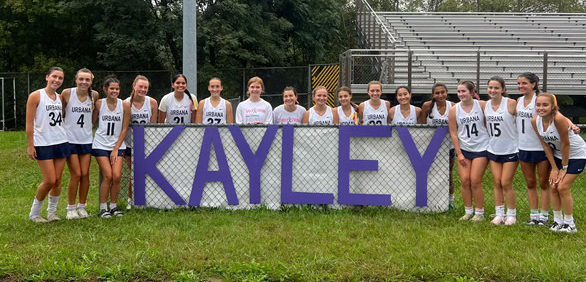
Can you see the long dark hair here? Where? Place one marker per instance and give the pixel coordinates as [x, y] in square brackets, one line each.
[177, 76]
[435, 86]
[533, 79]
[108, 81]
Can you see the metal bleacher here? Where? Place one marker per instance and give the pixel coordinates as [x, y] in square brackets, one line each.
[420, 49]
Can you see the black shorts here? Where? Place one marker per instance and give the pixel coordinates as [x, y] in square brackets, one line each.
[503, 158]
[128, 152]
[51, 152]
[80, 149]
[533, 157]
[575, 166]
[105, 153]
[473, 155]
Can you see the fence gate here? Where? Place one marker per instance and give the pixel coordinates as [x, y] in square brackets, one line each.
[327, 75]
[8, 108]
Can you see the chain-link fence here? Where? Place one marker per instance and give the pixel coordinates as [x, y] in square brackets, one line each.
[246, 167]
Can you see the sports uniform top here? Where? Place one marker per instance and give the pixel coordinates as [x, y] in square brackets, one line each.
[138, 116]
[249, 112]
[326, 119]
[177, 111]
[213, 115]
[471, 130]
[282, 116]
[502, 129]
[399, 119]
[48, 129]
[528, 140]
[344, 120]
[78, 119]
[109, 127]
[551, 136]
[372, 116]
[435, 118]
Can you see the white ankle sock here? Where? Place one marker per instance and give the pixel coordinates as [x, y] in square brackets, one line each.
[53, 202]
[36, 208]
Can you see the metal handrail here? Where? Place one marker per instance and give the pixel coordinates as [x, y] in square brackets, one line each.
[390, 36]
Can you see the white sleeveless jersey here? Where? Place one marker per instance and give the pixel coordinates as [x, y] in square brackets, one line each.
[282, 116]
[502, 129]
[109, 127]
[435, 118]
[214, 116]
[372, 116]
[551, 136]
[471, 130]
[178, 112]
[399, 119]
[347, 120]
[48, 128]
[138, 116]
[78, 119]
[528, 140]
[326, 119]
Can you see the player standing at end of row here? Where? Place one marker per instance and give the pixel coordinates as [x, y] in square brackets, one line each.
[435, 112]
[290, 112]
[254, 110]
[113, 118]
[78, 104]
[347, 111]
[143, 110]
[404, 114]
[47, 143]
[566, 153]
[470, 138]
[374, 111]
[215, 110]
[179, 106]
[320, 113]
[502, 149]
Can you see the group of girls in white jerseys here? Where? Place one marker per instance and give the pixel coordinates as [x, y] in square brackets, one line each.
[503, 132]
[60, 130]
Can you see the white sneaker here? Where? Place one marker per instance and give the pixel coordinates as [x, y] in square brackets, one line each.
[466, 217]
[566, 228]
[38, 219]
[477, 218]
[53, 217]
[82, 212]
[511, 220]
[72, 214]
[555, 227]
[498, 220]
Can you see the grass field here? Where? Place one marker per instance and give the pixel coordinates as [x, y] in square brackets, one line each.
[262, 245]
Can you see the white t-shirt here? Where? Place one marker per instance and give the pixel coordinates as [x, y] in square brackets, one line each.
[249, 112]
[347, 120]
[282, 116]
[177, 111]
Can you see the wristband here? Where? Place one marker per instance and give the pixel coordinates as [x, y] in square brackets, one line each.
[564, 167]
